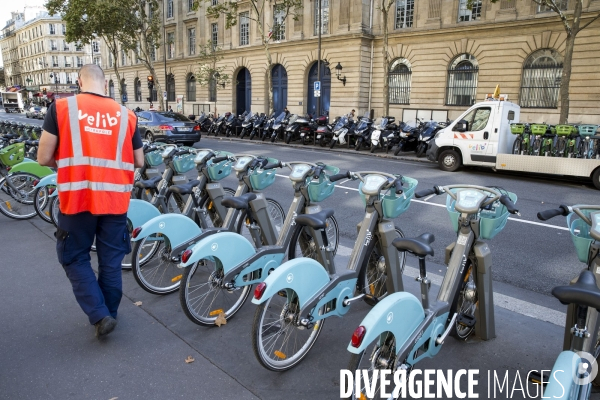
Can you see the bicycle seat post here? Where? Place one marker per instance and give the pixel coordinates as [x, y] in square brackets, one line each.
[424, 281]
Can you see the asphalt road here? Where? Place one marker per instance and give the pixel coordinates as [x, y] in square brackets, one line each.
[47, 350]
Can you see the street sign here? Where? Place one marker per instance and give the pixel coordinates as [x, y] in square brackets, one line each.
[317, 87]
[317, 93]
[165, 96]
[124, 98]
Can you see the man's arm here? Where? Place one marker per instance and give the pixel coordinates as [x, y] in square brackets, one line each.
[138, 157]
[46, 149]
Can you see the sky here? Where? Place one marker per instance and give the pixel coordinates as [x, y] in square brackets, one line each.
[6, 6]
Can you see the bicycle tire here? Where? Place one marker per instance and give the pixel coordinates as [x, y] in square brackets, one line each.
[370, 279]
[466, 292]
[274, 208]
[307, 249]
[42, 205]
[54, 210]
[517, 146]
[18, 205]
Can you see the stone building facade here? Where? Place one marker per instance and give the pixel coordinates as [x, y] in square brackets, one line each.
[39, 56]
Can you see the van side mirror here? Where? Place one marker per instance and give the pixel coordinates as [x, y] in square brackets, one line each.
[461, 126]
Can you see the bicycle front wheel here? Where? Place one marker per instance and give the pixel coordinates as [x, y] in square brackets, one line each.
[372, 275]
[17, 195]
[54, 210]
[465, 303]
[279, 341]
[42, 202]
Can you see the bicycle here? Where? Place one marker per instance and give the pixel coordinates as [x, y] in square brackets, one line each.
[401, 330]
[543, 142]
[522, 143]
[566, 141]
[296, 298]
[174, 232]
[571, 375]
[234, 272]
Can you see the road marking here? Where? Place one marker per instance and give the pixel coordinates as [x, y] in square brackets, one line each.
[501, 300]
[428, 197]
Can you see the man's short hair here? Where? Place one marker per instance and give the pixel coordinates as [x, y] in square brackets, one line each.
[92, 72]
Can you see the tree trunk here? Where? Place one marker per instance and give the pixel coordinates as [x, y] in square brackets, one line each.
[565, 80]
[270, 105]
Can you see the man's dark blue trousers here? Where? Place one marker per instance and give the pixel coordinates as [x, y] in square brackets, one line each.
[101, 297]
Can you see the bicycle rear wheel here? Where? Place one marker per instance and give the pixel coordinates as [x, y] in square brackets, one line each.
[42, 202]
[54, 210]
[17, 195]
[303, 245]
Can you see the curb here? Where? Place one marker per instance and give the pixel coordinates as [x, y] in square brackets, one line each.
[335, 150]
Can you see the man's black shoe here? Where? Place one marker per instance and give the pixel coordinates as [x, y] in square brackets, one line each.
[105, 326]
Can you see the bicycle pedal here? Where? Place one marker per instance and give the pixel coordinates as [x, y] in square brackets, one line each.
[465, 320]
[370, 300]
[537, 378]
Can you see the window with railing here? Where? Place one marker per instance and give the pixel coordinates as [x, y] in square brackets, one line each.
[214, 2]
[123, 57]
[405, 10]
[51, 29]
[110, 60]
[68, 61]
[561, 4]
[153, 53]
[244, 28]
[170, 45]
[79, 62]
[66, 46]
[190, 5]
[169, 8]
[466, 13]
[399, 80]
[462, 81]
[55, 61]
[192, 41]
[111, 89]
[96, 47]
[78, 46]
[64, 29]
[324, 17]
[53, 45]
[278, 22]
[214, 37]
[540, 82]
[98, 61]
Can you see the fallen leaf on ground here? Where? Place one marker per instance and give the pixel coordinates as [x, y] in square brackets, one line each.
[189, 359]
[220, 320]
[137, 303]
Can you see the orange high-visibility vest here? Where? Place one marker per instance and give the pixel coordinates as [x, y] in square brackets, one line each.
[94, 155]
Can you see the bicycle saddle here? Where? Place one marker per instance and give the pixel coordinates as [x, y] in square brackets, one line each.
[315, 221]
[584, 292]
[148, 183]
[419, 246]
[240, 202]
[185, 188]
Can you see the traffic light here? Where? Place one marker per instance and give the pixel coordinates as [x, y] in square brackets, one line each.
[150, 82]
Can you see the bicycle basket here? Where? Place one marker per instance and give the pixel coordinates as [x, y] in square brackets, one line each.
[323, 188]
[580, 234]
[538, 129]
[517, 129]
[395, 204]
[263, 178]
[184, 163]
[491, 222]
[587, 130]
[12, 154]
[565, 130]
[220, 170]
[154, 158]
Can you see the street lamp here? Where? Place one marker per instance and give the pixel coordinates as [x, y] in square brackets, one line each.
[217, 76]
[338, 72]
[54, 78]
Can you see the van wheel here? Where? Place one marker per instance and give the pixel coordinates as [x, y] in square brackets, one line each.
[449, 161]
[596, 178]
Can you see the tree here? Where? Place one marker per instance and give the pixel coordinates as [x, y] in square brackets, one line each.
[385, 7]
[266, 31]
[208, 73]
[87, 21]
[2, 78]
[572, 26]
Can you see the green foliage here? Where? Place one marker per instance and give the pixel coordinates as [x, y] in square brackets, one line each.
[2, 77]
[208, 57]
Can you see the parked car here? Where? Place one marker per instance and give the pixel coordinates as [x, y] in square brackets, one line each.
[168, 127]
[34, 112]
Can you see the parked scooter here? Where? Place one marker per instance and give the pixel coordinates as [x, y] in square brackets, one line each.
[278, 126]
[292, 130]
[257, 125]
[247, 124]
[362, 133]
[408, 137]
[218, 124]
[340, 131]
[324, 130]
[384, 128]
[427, 132]
[233, 122]
[268, 127]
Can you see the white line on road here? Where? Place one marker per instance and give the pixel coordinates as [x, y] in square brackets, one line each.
[428, 197]
[501, 300]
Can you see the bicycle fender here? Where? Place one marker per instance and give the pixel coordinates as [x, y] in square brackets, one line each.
[49, 180]
[178, 228]
[228, 248]
[140, 212]
[399, 313]
[33, 168]
[561, 379]
[304, 276]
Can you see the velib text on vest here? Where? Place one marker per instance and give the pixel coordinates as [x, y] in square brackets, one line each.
[94, 122]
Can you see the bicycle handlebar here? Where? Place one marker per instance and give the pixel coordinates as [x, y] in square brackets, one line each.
[398, 185]
[219, 159]
[508, 203]
[337, 177]
[555, 212]
[273, 165]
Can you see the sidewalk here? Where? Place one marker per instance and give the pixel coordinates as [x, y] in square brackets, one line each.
[48, 350]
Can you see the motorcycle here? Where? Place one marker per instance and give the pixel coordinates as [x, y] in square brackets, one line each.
[340, 131]
[257, 125]
[233, 122]
[428, 131]
[292, 131]
[383, 132]
[218, 124]
[362, 133]
[248, 124]
[409, 137]
[278, 126]
[268, 127]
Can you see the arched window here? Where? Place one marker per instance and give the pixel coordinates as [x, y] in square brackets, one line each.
[111, 89]
[462, 81]
[138, 89]
[171, 87]
[540, 81]
[399, 81]
[190, 88]
[123, 90]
